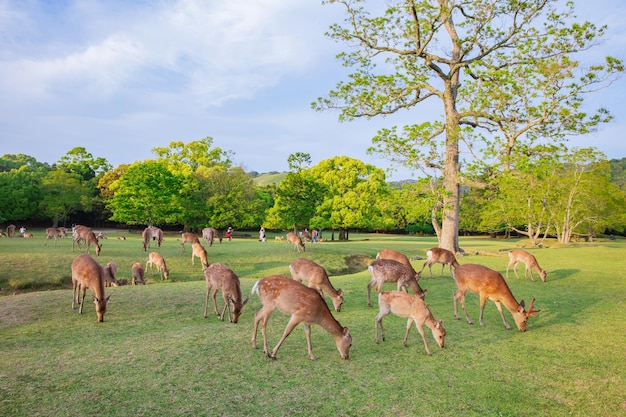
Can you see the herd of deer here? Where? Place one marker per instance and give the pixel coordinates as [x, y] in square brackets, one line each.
[305, 303]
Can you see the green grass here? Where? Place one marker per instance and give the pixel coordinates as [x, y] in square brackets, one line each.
[156, 355]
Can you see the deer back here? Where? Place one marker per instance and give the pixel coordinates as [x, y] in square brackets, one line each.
[440, 255]
[303, 269]
[394, 255]
[388, 270]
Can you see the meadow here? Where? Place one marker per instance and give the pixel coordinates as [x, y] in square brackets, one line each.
[156, 355]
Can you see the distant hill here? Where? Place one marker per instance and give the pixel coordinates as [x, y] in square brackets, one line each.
[269, 178]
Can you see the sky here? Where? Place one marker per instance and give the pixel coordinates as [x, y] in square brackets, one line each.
[120, 77]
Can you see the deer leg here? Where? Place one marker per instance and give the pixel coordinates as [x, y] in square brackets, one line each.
[515, 270]
[483, 301]
[531, 274]
[499, 306]
[379, 322]
[206, 301]
[369, 290]
[442, 267]
[293, 322]
[409, 322]
[80, 309]
[307, 332]
[226, 306]
[215, 303]
[420, 329]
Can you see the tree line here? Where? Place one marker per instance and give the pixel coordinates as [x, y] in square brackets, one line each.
[189, 186]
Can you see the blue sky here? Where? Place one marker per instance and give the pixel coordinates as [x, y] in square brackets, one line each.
[120, 77]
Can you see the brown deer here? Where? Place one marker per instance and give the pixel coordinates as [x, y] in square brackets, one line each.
[53, 233]
[197, 250]
[156, 260]
[442, 256]
[10, 230]
[303, 269]
[87, 273]
[528, 260]
[489, 285]
[415, 309]
[137, 274]
[187, 238]
[110, 270]
[388, 270]
[305, 306]
[28, 235]
[295, 240]
[395, 255]
[151, 232]
[87, 235]
[219, 277]
[209, 234]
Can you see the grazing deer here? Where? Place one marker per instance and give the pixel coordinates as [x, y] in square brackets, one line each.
[528, 260]
[187, 238]
[209, 234]
[137, 274]
[198, 250]
[442, 256]
[219, 277]
[53, 233]
[110, 270]
[87, 273]
[156, 260]
[489, 285]
[151, 232]
[305, 306]
[303, 269]
[87, 235]
[10, 230]
[296, 241]
[414, 308]
[388, 270]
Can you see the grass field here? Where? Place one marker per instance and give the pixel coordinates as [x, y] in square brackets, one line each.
[155, 354]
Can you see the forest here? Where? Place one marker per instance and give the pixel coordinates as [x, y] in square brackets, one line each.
[188, 186]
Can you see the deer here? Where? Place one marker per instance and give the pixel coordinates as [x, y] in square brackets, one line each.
[442, 256]
[151, 232]
[137, 274]
[53, 233]
[305, 306]
[28, 235]
[209, 234]
[220, 277]
[156, 260]
[86, 234]
[198, 250]
[415, 309]
[489, 285]
[296, 241]
[388, 270]
[110, 270]
[516, 256]
[10, 230]
[87, 273]
[303, 269]
[187, 238]
[395, 255]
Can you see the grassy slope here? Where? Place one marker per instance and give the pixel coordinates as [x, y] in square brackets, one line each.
[156, 355]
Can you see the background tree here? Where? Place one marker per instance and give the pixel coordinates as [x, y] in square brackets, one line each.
[64, 193]
[504, 61]
[148, 193]
[21, 179]
[353, 191]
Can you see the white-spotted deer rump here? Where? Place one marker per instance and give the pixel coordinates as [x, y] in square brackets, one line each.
[88, 274]
[188, 238]
[154, 233]
[155, 260]
[442, 256]
[295, 240]
[220, 277]
[197, 250]
[415, 309]
[137, 274]
[209, 234]
[516, 256]
[394, 255]
[305, 306]
[110, 270]
[489, 285]
[303, 269]
[388, 270]
[84, 233]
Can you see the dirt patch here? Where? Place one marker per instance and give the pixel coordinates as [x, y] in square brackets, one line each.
[357, 263]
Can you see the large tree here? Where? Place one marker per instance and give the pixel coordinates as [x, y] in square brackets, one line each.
[505, 74]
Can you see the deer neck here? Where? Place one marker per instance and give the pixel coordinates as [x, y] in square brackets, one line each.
[331, 325]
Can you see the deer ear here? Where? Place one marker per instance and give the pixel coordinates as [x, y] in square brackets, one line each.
[340, 291]
[522, 303]
[441, 322]
[345, 332]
